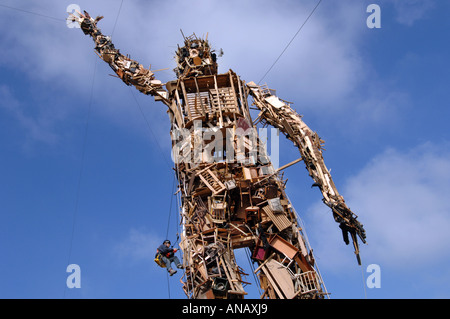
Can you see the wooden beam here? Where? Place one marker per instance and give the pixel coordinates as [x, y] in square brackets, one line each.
[218, 101]
[186, 103]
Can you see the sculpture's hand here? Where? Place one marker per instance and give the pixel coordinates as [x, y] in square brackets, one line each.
[129, 71]
[86, 22]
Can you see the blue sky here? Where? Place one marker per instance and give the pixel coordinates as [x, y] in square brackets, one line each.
[86, 178]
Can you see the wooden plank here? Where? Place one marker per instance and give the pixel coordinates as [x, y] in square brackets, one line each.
[303, 264]
[222, 186]
[280, 220]
[265, 262]
[179, 106]
[186, 104]
[288, 127]
[283, 246]
[200, 98]
[206, 175]
[192, 99]
[234, 90]
[205, 82]
[207, 183]
[228, 273]
[289, 164]
[243, 102]
[218, 99]
[176, 112]
[282, 278]
[272, 282]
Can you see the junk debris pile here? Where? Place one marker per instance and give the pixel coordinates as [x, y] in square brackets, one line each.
[232, 197]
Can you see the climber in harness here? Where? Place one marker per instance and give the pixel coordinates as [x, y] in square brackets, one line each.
[166, 254]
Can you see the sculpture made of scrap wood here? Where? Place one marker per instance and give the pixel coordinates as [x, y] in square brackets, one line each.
[232, 196]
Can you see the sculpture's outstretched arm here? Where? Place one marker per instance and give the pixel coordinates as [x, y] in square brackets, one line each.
[279, 114]
[130, 71]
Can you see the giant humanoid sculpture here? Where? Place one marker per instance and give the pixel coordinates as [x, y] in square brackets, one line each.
[231, 196]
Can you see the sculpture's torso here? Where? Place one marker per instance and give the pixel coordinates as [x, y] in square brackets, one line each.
[232, 196]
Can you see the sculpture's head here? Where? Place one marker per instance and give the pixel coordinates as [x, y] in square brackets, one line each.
[195, 58]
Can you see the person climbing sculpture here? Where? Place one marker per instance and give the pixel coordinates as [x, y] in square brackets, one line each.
[167, 254]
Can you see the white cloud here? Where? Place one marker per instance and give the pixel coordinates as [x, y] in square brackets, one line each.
[38, 127]
[138, 246]
[410, 11]
[401, 198]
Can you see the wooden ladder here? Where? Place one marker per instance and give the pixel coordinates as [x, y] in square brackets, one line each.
[211, 181]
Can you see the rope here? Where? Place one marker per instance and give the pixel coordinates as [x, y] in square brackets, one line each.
[150, 129]
[179, 203]
[364, 282]
[178, 222]
[170, 209]
[117, 18]
[34, 13]
[168, 284]
[252, 268]
[168, 226]
[83, 153]
[301, 27]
